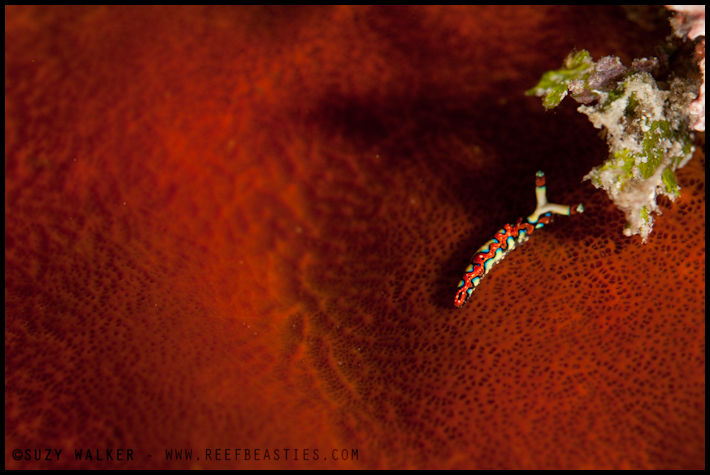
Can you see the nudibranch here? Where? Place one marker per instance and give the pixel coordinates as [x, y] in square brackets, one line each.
[508, 238]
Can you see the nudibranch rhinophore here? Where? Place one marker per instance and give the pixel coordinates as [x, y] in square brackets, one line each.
[508, 238]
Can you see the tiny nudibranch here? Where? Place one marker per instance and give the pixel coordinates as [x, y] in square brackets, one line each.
[508, 238]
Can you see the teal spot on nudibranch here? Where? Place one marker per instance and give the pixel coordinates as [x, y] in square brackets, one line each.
[461, 284]
[486, 248]
[468, 269]
[496, 257]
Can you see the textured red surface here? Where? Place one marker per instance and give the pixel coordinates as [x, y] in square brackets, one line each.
[243, 228]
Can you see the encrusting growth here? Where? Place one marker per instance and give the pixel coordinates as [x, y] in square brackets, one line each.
[648, 125]
[508, 238]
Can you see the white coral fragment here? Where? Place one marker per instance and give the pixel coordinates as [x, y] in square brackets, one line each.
[647, 127]
[644, 132]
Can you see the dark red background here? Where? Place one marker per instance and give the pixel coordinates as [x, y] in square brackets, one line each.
[244, 227]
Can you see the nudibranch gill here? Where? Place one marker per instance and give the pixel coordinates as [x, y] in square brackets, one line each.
[508, 238]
